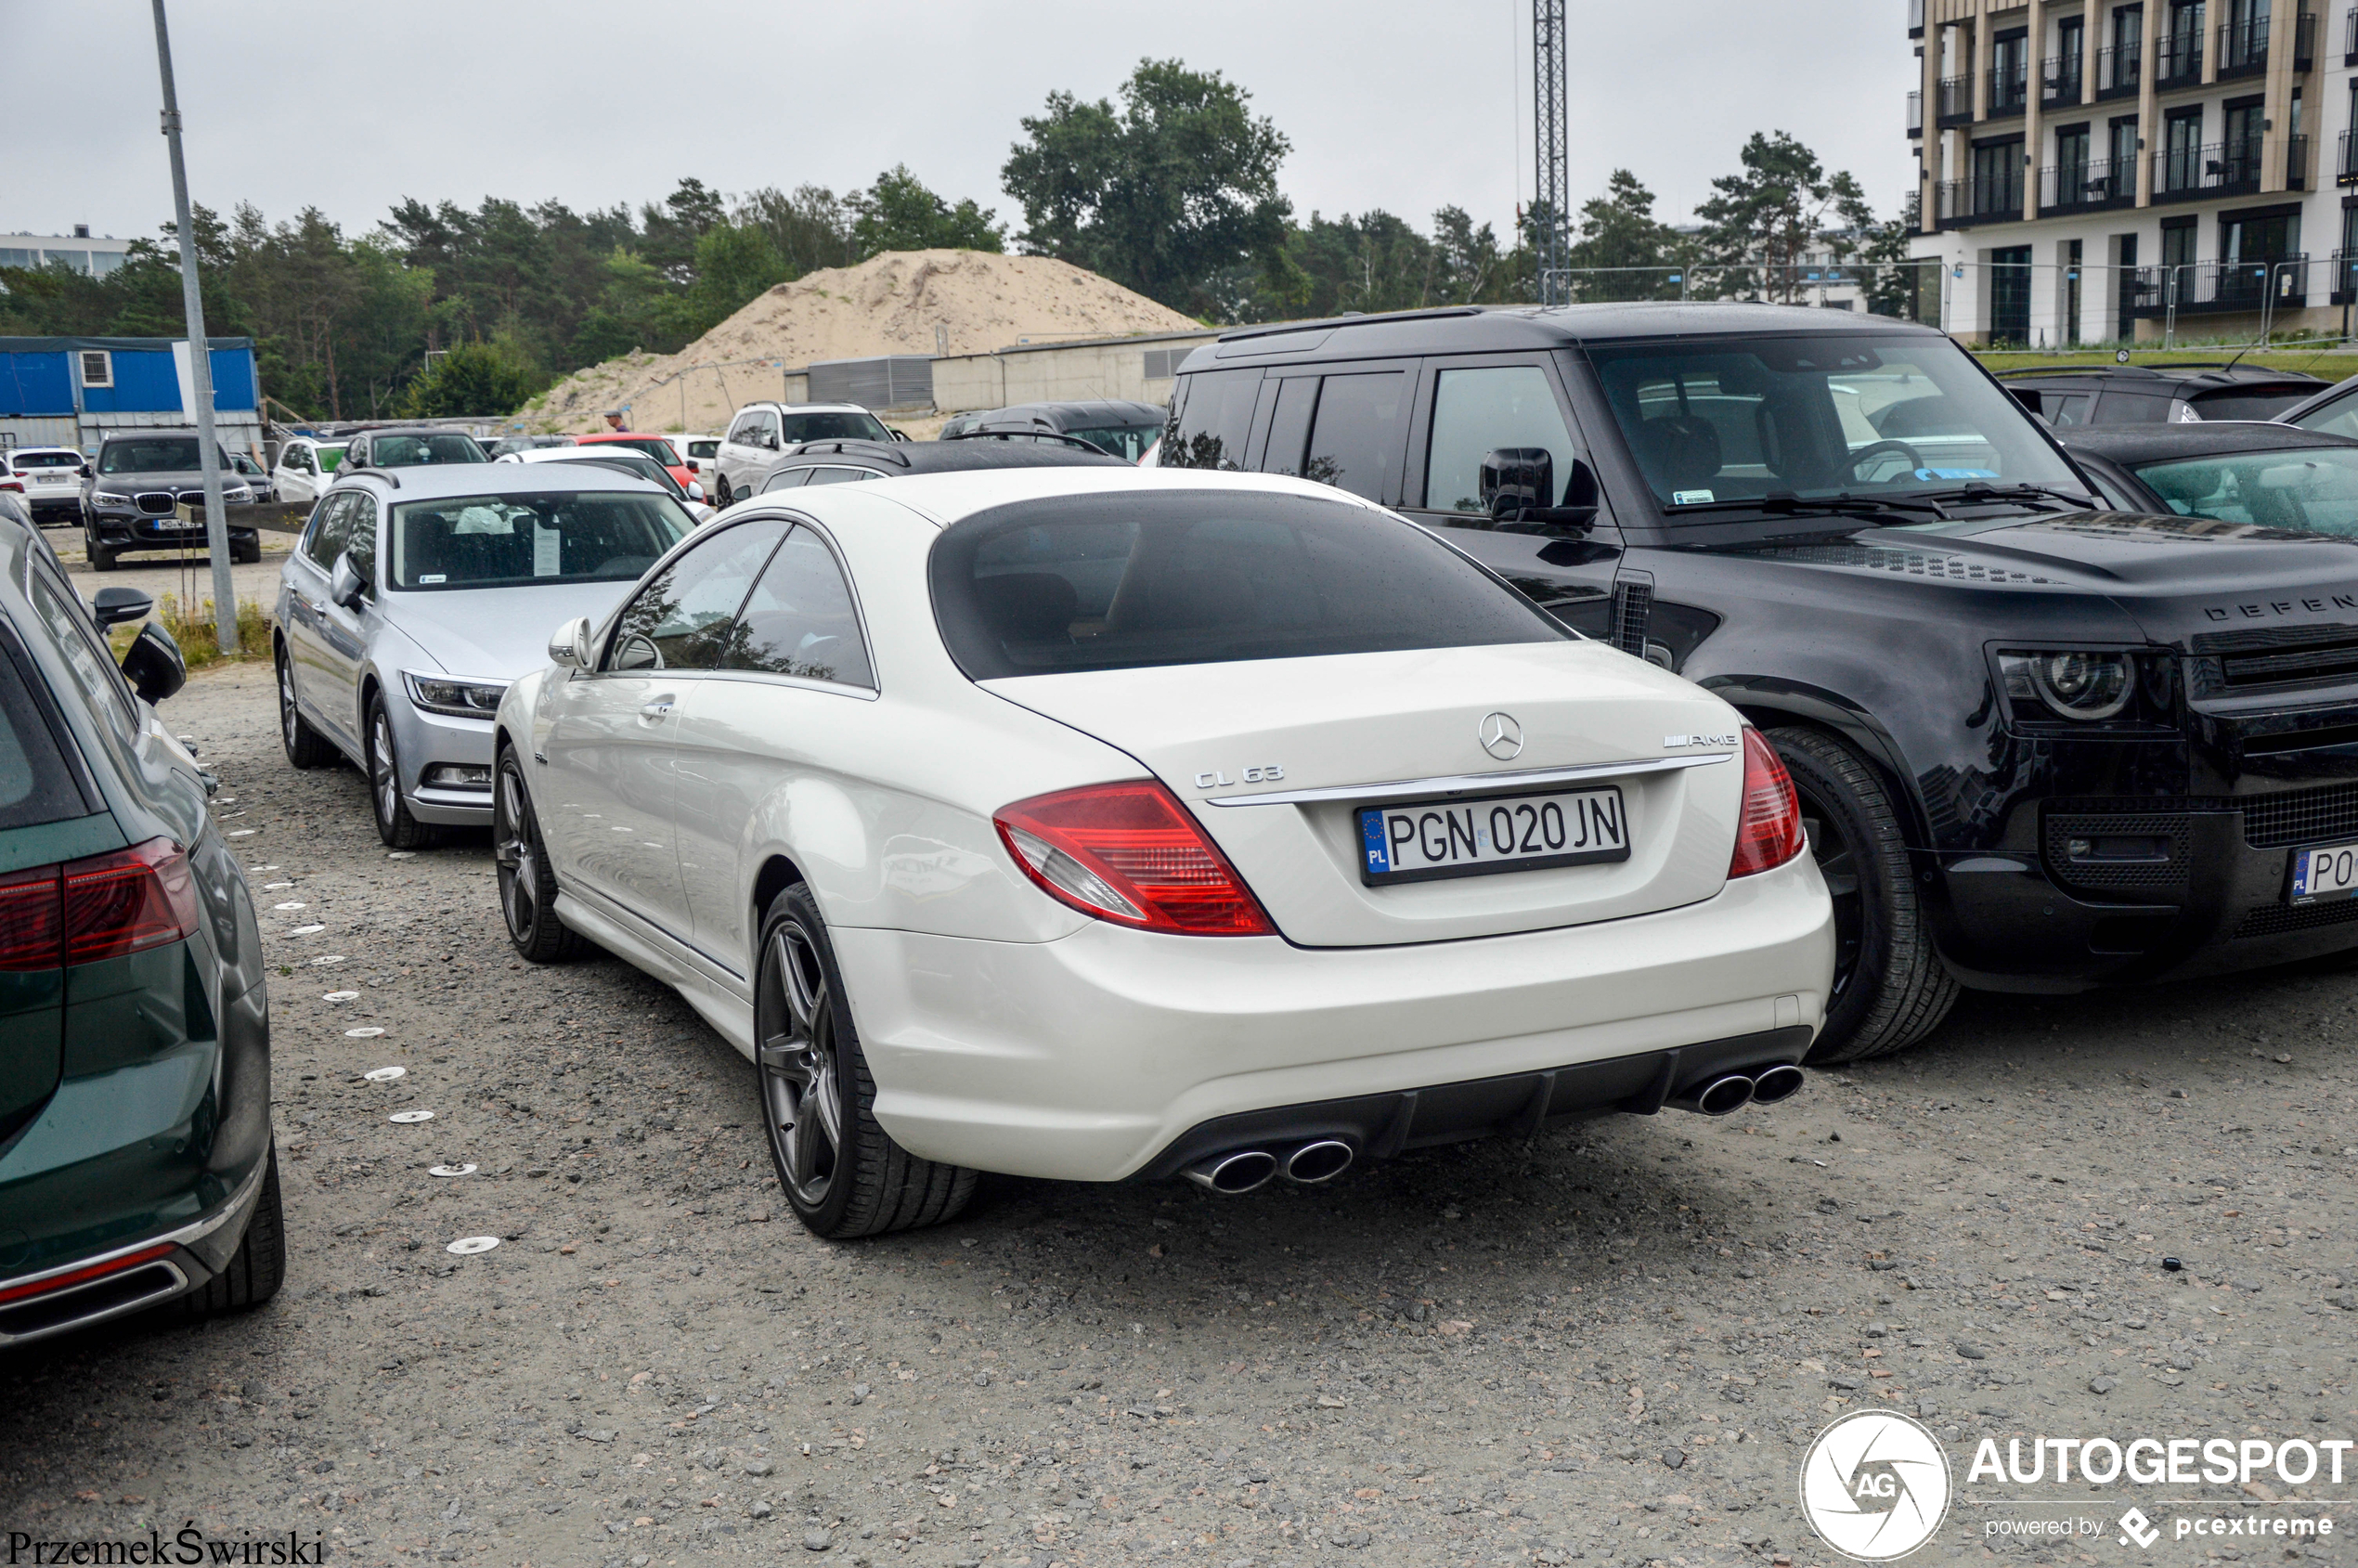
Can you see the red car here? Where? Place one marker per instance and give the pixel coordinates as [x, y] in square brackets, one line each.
[653, 447]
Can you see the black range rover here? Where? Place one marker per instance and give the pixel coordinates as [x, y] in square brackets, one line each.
[2040, 746]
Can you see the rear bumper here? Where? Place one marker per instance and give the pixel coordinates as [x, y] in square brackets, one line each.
[127, 1278]
[1091, 1057]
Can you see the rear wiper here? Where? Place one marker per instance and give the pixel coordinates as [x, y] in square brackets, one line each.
[2029, 495]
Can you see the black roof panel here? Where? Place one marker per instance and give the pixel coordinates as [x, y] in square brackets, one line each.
[2133, 443]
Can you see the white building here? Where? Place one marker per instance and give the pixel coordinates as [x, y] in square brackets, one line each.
[92, 255]
[2094, 172]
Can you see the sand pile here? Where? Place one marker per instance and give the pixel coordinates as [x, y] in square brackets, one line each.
[889, 303]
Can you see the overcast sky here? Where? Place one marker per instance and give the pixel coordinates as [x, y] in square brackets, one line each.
[1393, 103]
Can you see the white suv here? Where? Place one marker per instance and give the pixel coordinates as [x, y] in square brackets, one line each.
[761, 431]
[306, 468]
[48, 478]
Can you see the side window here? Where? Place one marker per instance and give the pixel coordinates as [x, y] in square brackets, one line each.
[787, 479]
[1209, 430]
[839, 475]
[800, 620]
[1476, 411]
[87, 661]
[2339, 418]
[360, 539]
[1289, 427]
[681, 619]
[1355, 439]
[329, 524]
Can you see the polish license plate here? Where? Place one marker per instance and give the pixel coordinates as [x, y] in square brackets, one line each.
[2324, 874]
[177, 524]
[1423, 841]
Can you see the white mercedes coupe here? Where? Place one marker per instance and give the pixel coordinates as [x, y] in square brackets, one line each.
[1098, 824]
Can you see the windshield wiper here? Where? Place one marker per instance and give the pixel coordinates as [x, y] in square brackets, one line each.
[1784, 503]
[2029, 495]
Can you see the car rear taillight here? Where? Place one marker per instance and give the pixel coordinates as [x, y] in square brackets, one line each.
[1130, 853]
[103, 907]
[16, 485]
[1769, 830]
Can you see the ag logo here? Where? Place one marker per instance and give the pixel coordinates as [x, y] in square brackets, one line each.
[1875, 1485]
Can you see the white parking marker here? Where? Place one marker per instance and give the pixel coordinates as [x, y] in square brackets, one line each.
[411, 1118]
[466, 1246]
[384, 1074]
[275, 887]
[241, 832]
[329, 958]
[451, 1170]
[341, 996]
[368, 1032]
[401, 854]
[290, 906]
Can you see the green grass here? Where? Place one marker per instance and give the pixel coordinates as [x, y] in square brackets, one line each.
[192, 628]
[2331, 364]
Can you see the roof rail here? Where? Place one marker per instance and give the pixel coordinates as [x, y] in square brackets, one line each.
[1350, 318]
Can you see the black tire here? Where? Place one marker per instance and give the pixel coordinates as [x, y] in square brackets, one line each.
[720, 497]
[395, 825]
[527, 883]
[841, 1173]
[305, 747]
[101, 558]
[259, 1266]
[1889, 988]
[248, 553]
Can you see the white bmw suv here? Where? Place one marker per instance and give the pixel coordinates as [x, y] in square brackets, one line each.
[1098, 824]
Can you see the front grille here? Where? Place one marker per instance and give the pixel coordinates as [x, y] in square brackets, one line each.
[2334, 660]
[2301, 816]
[2165, 869]
[2269, 920]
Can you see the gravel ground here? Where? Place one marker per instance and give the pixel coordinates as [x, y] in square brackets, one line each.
[1612, 1345]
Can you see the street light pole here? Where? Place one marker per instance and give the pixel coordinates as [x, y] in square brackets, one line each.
[216, 521]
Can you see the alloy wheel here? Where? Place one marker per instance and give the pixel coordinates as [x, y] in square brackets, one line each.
[1837, 859]
[382, 779]
[801, 1091]
[514, 852]
[288, 718]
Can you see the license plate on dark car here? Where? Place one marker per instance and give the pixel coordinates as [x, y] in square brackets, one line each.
[1423, 841]
[2324, 874]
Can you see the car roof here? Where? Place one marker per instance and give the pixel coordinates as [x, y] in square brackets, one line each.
[409, 430]
[1473, 329]
[2195, 376]
[945, 499]
[904, 458]
[434, 481]
[21, 451]
[1060, 417]
[612, 435]
[2130, 444]
[807, 408]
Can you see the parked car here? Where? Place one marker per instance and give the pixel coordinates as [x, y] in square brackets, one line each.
[2158, 394]
[253, 476]
[133, 493]
[508, 444]
[761, 431]
[135, 1155]
[1122, 429]
[307, 466]
[413, 599]
[2273, 476]
[50, 478]
[1151, 825]
[412, 449]
[2041, 747]
[699, 452]
[656, 448]
[2334, 410]
[624, 460]
[836, 462]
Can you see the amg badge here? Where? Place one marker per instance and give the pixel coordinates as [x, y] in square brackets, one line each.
[1672, 743]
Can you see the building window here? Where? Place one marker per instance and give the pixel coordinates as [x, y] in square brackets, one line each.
[98, 368]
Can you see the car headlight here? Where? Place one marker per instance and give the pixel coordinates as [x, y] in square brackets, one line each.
[457, 697]
[2114, 686]
[111, 501]
[235, 493]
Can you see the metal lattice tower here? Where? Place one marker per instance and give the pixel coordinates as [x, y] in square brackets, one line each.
[1551, 195]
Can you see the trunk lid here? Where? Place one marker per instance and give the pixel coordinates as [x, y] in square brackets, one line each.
[1361, 722]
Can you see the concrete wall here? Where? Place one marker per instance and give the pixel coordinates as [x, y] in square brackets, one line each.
[1061, 372]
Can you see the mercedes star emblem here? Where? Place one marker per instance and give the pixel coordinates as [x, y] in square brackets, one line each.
[1501, 736]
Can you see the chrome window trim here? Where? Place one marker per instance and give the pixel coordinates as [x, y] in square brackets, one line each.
[1461, 784]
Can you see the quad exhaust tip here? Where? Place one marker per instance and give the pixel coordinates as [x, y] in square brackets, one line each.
[1773, 1083]
[1721, 1097]
[1320, 1161]
[1234, 1173]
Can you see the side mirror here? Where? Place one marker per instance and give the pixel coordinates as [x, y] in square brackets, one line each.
[1514, 478]
[900, 434]
[569, 645]
[153, 664]
[85, 471]
[115, 605]
[696, 491]
[344, 583]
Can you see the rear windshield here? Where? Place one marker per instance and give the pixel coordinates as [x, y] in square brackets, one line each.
[704, 448]
[835, 427]
[516, 542]
[46, 460]
[2252, 403]
[1127, 442]
[418, 451]
[1120, 582]
[36, 785]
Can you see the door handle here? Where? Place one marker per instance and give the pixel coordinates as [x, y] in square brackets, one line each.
[659, 708]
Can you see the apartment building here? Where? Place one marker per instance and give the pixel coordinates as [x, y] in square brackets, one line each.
[2092, 171]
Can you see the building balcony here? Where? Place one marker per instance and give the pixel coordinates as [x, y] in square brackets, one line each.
[2350, 36]
[2087, 187]
[2243, 47]
[2346, 160]
[2343, 285]
[2304, 42]
[2296, 162]
[1955, 96]
[2189, 173]
[2009, 90]
[1915, 18]
[1960, 203]
[2059, 81]
[2117, 72]
[2178, 62]
[2218, 287]
[1916, 113]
